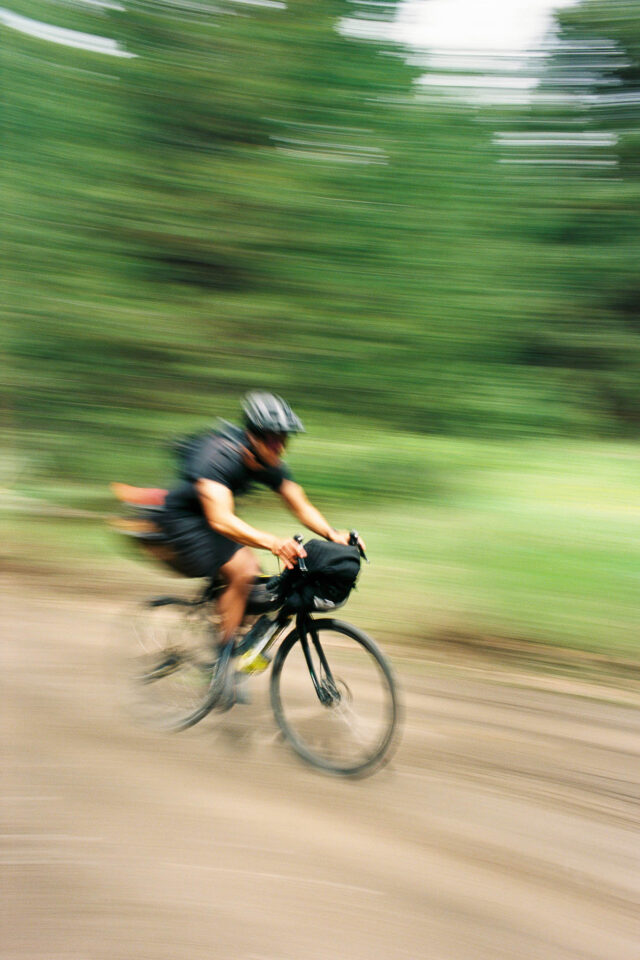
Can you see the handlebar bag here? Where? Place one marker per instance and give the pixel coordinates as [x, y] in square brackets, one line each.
[332, 571]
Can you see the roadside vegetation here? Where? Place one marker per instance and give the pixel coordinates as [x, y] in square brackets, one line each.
[480, 542]
[264, 200]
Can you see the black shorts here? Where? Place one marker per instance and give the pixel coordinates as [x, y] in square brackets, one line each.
[202, 551]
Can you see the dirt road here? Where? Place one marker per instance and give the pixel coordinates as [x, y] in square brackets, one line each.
[506, 826]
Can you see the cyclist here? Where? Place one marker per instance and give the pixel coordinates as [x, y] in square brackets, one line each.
[200, 515]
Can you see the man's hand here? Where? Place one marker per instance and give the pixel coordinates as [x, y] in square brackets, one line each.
[288, 551]
[342, 536]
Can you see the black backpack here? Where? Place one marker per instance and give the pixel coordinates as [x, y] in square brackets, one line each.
[188, 450]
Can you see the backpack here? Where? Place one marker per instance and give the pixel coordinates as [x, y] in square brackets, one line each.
[188, 449]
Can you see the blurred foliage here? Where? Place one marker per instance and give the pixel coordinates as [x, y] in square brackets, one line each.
[500, 539]
[256, 198]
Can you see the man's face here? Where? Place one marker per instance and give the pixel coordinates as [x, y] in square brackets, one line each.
[269, 446]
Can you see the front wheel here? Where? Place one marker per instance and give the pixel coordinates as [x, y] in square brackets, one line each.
[346, 722]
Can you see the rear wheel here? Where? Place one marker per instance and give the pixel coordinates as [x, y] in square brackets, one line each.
[347, 726]
[171, 663]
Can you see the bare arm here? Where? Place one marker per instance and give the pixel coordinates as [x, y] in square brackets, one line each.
[300, 506]
[219, 509]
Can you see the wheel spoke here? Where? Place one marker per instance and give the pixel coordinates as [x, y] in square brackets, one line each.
[358, 728]
[171, 665]
[352, 730]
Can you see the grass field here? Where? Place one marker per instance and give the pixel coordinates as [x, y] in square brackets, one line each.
[528, 541]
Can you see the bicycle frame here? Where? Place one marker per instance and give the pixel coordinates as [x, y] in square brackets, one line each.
[361, 714]
[325, 687]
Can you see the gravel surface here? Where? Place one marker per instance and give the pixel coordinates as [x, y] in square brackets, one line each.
[506, 825]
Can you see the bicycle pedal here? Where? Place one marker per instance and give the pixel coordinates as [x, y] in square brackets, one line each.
[224, 704]
[241, 693]
[234, 692]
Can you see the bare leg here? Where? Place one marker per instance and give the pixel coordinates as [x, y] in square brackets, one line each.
[239, 572]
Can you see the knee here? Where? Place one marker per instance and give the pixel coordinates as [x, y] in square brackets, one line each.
[242, 569]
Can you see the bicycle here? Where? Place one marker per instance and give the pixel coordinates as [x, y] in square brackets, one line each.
[332, 690]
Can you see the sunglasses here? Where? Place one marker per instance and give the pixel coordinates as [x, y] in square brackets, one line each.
[274, 439]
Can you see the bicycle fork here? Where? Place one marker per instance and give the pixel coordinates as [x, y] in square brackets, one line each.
[325, 686]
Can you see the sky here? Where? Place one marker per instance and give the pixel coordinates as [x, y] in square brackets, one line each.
[480, 26]
[444, 27]
[484, 48]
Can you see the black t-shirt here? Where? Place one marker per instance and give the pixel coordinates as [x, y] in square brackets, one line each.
[221, 459]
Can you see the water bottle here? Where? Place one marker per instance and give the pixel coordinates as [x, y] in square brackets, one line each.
[256, 659]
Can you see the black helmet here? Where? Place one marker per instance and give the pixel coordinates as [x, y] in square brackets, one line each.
[266, 413]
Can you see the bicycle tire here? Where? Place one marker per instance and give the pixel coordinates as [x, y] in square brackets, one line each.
[327, 736]
[171, 663]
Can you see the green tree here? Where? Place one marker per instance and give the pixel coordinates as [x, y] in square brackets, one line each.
[581, 212]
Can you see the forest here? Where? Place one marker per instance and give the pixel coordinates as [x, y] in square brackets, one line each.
[274, 195]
